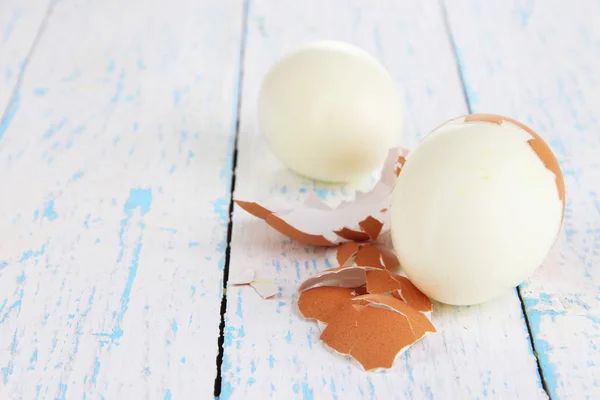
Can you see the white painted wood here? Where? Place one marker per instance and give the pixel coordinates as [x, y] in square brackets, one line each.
[270, 351]
[114, 177]
[538, 62]
[20, 23]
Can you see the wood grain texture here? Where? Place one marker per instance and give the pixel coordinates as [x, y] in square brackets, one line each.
[115, 174]
[272, 352]
[538, 62]
[20, 24]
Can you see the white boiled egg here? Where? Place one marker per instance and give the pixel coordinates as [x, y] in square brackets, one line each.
[330, 111]
[476, 208]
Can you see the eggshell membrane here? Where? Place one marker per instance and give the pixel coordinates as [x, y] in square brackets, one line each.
[321, 303]
[476, 209]
[265, 288]
[352, 275]
[314, 223]
[330, 111]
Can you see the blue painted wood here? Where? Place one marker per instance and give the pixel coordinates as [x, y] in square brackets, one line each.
[115, 172]
[270, 351]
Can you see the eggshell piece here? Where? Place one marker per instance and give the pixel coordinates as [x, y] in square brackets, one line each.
[419, 323]
[266, 288]
[341, 333]
[352, 235]
[329, 111]
[315, 223]
[290, 231]
[346, 251]
[345, 277]
[380, 336]
[321, 303]
[374, 329]
[476, 209]
[383, 282]
[369, 256]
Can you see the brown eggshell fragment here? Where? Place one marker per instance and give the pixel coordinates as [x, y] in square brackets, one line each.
[352, 235]
[380, 336]
[254, 208]
[345, 277]
[370, 255]
[538, 145]
[419, 323]
[371, 226]
[374, 329]
[321, 303]
[355, 259]
[346, 251]
[341, 333]
[315, 223]
[382, 282]
[296, 234]
[388, 258]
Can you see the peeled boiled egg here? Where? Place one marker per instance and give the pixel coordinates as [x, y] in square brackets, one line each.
[330, 111]
[476, 208]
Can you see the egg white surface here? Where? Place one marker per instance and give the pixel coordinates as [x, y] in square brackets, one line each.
[330, 111]
[475, 211]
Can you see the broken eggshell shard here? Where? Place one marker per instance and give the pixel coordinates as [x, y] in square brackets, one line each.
[366, 255]
[352, 274]
[492, 207]
[384, 282]
[322, 303]
[353, 280]
[375, 329]
[315, 223]
[264, 287]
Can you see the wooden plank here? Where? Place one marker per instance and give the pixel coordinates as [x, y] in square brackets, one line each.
[270, 351]
[115, 177]
[539, 62]
[20, 24]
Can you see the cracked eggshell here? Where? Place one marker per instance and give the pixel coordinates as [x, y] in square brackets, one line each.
[476, 208]
[365, 218]
[330, 111]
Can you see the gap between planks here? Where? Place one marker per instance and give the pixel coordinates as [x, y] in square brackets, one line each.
[461, 76]
[236, 116]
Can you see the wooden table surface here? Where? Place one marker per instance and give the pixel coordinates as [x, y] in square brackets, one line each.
[126, 129]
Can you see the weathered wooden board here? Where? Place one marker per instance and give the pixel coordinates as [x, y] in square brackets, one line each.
[539, 62]
[20, 24]
[114, 176]
[270, 351]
